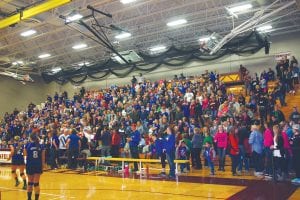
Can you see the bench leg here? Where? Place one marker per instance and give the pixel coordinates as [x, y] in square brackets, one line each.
[96, 164]
[140, 168]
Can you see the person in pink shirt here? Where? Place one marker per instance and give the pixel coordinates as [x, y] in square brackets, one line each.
[205, 103]
[288, 152]
[268, 142]
[221, 140]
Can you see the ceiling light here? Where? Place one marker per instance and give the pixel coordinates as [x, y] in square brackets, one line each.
[73, 18]
[240, 8]
[177, 22]
[158, 48]
[28, 33]
[205, 39]
[18, 62]
[266, 28]
[55, 70]
[46, 55]
[123, 35]
[127, 1]
[83, 63]
[79, 46]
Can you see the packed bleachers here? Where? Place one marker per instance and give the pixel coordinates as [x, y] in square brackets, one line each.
[140, 119]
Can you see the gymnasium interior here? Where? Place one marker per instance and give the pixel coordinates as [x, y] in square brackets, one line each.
[169, 99]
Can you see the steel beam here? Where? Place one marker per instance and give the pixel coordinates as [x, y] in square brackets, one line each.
[30, 12]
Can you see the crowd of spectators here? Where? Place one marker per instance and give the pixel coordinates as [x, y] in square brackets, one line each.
[179, 118]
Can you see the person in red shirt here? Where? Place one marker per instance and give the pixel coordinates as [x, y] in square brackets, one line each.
[192, 109]
[233, 143]
[115, 143]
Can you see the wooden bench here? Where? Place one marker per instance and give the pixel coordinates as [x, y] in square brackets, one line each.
[179, 162]
[98, 160]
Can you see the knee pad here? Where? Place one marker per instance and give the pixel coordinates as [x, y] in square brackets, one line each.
[21, 174]
[36, 184]
[13, 171]
[30, 184]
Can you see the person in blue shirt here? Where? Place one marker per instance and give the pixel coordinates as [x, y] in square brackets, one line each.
[73, 145]
[182, 151]
[35, 162]
[143, 114]
[169, 148]
[159, 153]
[134, 140]
[256, 141]
[17, 160]
[209, 154]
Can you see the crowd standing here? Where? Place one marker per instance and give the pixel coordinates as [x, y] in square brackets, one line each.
[183, 118]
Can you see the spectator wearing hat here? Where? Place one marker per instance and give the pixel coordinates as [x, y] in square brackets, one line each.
[134, 140]
[295, 143]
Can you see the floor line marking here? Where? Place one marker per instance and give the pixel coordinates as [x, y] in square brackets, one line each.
[20, 190]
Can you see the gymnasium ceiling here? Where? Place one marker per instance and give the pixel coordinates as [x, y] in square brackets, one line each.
[144, 19]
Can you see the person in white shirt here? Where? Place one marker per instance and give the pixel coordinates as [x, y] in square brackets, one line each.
[62, 145]
[236, 105]
[140, 79]
[189, 95]
[87, 131]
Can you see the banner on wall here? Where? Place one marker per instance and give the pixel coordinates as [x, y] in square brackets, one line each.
[4, 155]
[282, 55]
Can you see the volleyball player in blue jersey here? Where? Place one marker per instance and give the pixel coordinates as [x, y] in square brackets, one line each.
[34, 165]
[17, 160]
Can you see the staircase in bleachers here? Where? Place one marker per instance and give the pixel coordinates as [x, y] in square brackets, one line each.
[291, 100]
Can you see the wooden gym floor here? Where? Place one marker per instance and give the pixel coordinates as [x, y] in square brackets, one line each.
[67, 184]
